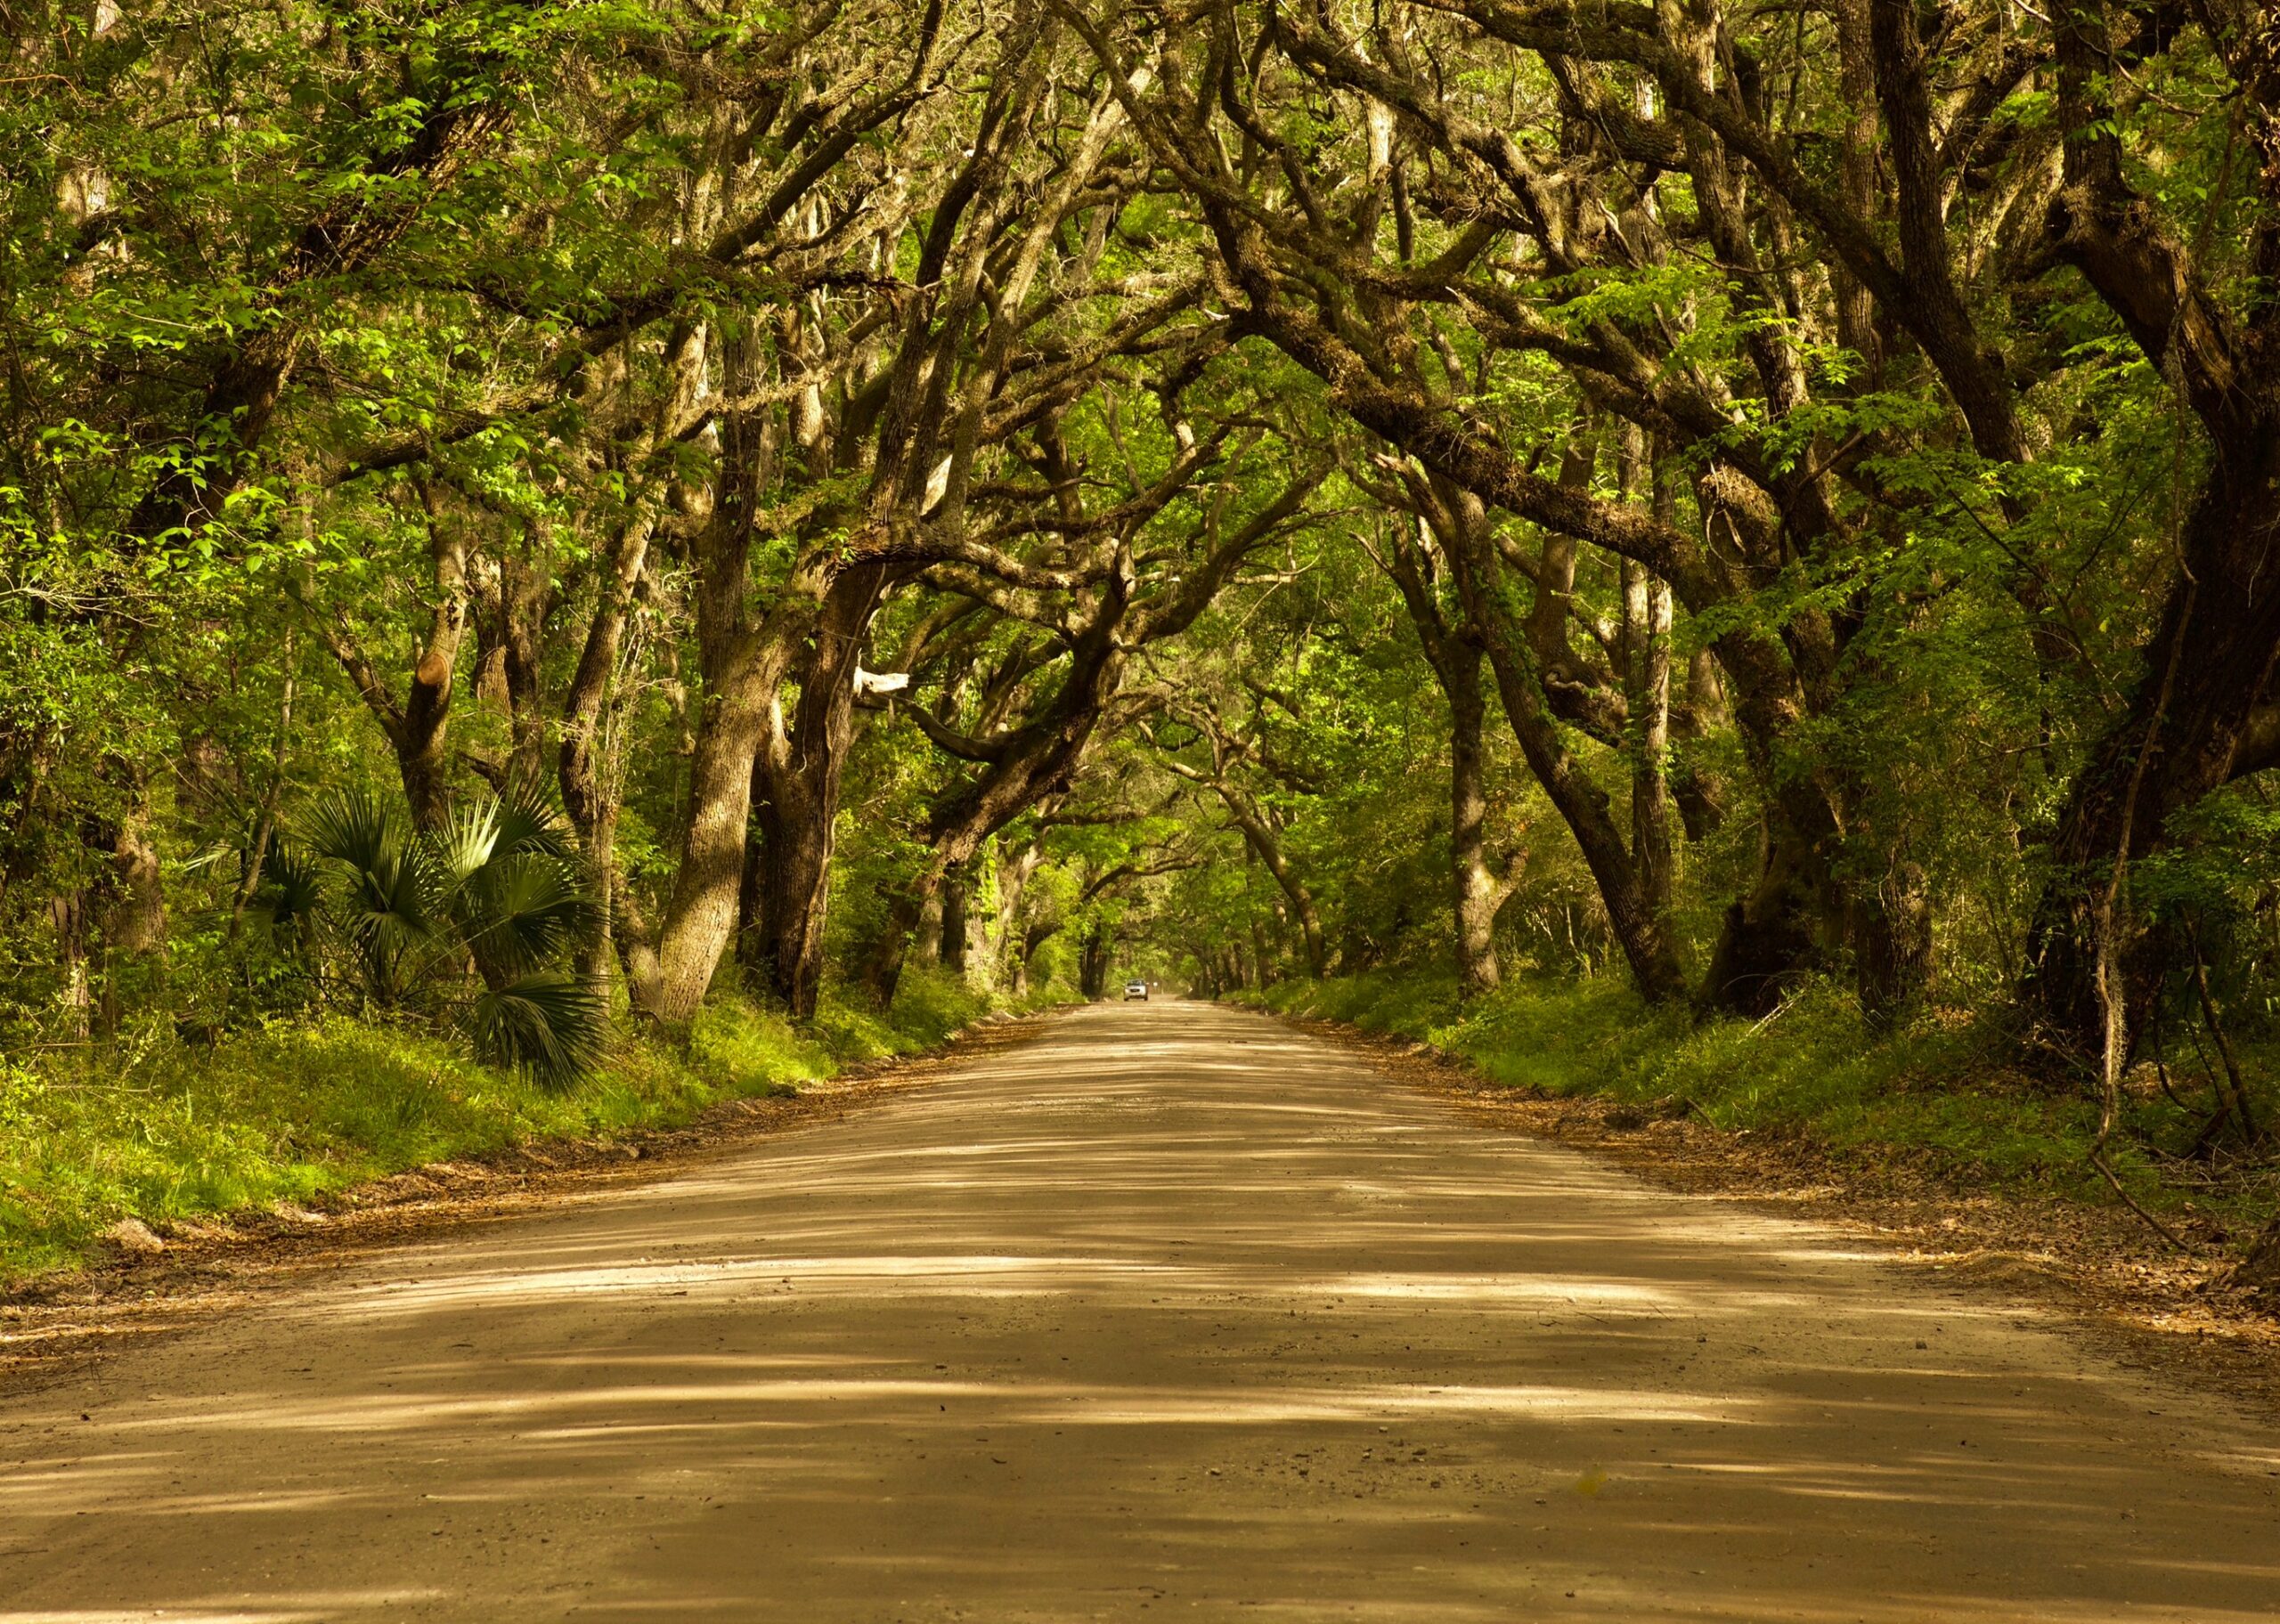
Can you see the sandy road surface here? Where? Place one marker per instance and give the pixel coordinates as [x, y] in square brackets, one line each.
[1171, 1312]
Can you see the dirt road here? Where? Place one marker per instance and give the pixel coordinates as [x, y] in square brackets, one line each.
[1170, 1312]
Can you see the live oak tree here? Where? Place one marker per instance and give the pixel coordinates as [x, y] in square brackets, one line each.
[1011, 489]
[1691, 222]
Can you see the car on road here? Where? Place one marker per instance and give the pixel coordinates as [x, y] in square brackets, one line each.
[1136, 990]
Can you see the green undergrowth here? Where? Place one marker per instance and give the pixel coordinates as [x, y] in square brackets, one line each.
[168, 1132]
[1940, 1096]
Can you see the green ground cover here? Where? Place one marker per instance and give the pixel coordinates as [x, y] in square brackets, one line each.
[164, 1130]
[1940, 1095]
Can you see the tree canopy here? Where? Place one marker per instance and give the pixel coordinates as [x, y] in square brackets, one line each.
[529, 513]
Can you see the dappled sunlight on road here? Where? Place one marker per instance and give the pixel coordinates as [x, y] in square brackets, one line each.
[1168, 1311]
[286, 1608]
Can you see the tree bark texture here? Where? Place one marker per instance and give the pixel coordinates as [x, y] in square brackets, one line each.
[799, 769]
[1640, 930]
[2212, 658]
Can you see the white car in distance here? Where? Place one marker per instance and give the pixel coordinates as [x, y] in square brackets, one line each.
[1136, 990]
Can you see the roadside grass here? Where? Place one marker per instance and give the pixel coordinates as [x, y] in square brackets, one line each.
[170, 1132]
[1940, 1096]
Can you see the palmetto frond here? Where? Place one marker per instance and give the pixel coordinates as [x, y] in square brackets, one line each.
[392, 894]
[495, 885]
[552, 1024]
[531, 823]
[356, 829]
[521, 909]
[292, 889]
[467, 839]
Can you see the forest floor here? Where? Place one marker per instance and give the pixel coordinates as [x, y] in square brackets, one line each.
[1163, 1308]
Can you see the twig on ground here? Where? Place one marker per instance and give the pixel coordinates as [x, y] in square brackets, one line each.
[2097, 1160]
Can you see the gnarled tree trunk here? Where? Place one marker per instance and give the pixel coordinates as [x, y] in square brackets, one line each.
[1640, 922]
[799, 773]
[2213, 655]
[1092, 962]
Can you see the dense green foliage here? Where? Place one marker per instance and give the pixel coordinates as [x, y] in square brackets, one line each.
[301, 1111]
[1939, 1100]
[527, 524]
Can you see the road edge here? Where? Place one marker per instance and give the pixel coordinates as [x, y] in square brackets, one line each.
[2211, 1344]
[56, 1326]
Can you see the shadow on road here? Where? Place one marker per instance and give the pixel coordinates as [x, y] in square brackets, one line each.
[1170, 1310]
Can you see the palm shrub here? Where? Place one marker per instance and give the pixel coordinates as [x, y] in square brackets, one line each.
[473, 921]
